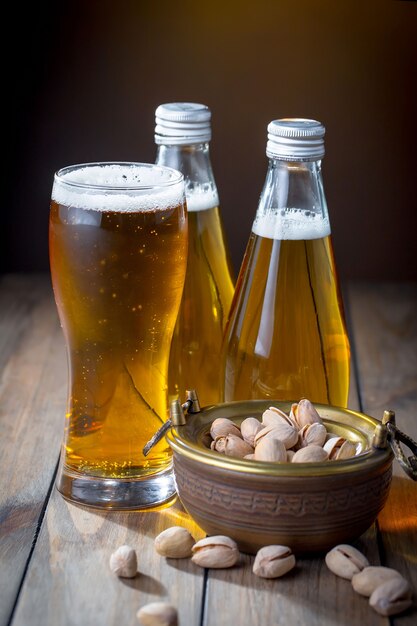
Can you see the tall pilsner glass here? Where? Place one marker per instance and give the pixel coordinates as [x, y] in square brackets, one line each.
[118, 249]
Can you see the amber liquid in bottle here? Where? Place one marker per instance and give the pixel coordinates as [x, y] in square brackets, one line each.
[286, 336]
[208, 290]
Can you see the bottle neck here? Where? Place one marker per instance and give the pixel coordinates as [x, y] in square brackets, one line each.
[193, 161]
[292, 203]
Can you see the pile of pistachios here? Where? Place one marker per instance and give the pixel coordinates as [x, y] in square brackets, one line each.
[299, 437]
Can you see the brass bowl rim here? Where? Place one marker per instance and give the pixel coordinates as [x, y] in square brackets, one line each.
[186, 447]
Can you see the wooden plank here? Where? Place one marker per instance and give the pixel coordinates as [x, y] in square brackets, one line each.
[32, 407]
[69, 582]
[309, 595]
[385, 326]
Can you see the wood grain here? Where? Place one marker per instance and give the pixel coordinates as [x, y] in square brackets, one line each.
[69, 581]
[32, 405]
[384, 319]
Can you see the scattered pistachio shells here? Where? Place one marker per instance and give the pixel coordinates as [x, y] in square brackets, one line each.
[272, 450]
[273, 561]
[392, 597]
[310, 454]
[284, 432]
[123, 562]
[249, 428]
[345, 561]
[237, 447]
[215, 552]
[221, 427]
[158, 614]
[304, 413]
[366, 581]
[174, 543]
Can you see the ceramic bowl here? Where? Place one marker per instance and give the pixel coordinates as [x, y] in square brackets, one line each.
[307, 506]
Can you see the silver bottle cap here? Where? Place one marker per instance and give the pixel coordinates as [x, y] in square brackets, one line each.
[295, 139]
[182, 123]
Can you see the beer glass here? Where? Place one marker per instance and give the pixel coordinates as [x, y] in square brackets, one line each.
[118, 249]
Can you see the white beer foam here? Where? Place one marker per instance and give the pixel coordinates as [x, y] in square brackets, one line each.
[291, 224]
[68, 188]
[201, 200]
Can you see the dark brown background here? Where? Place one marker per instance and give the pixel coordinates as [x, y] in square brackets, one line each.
[93, 72]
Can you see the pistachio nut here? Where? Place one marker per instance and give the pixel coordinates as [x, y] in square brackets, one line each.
[215, 552]
[273, 561]
[123, 562]
[235, 446]
[274, 416]
[272, 450]
[158, 614]
[221, 427]
[366, 581]
[304, 413]
[392, 597]
[174, 543]
[345, 561]
[218, 444]
[339, 448]
[249, 457]
[312, 434]
[290, 455]
[310, 454]
[249, 428]
[284, 432]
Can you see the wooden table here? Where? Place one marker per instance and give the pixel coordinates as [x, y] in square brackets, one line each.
[54, 555]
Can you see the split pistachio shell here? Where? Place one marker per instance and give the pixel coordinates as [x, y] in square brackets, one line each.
[366, 581]
[284, 432]
[249, 428]
[304, 413]
[235, 446]
[158, 614]
[221, 427]
[273, 561]
[174, 543]
[339, 448]
[123, 562]
[310, 454]
[392, 597]
[312, 434]
[218, 444]
[215, 552]
[272, 450]
[274, 416]
[345, 561]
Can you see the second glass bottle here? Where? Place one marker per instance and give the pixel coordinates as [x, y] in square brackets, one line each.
[182, 134]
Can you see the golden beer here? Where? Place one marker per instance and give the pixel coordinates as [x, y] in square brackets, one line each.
[118, 265]
[208, 291]
[286, 336]
[183, 134]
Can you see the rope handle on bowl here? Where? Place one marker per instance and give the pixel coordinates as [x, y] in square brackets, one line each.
[176, 418]
[387, 432]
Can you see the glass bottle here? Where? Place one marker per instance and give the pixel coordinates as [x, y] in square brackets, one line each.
[182, 133]
[286, 336]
